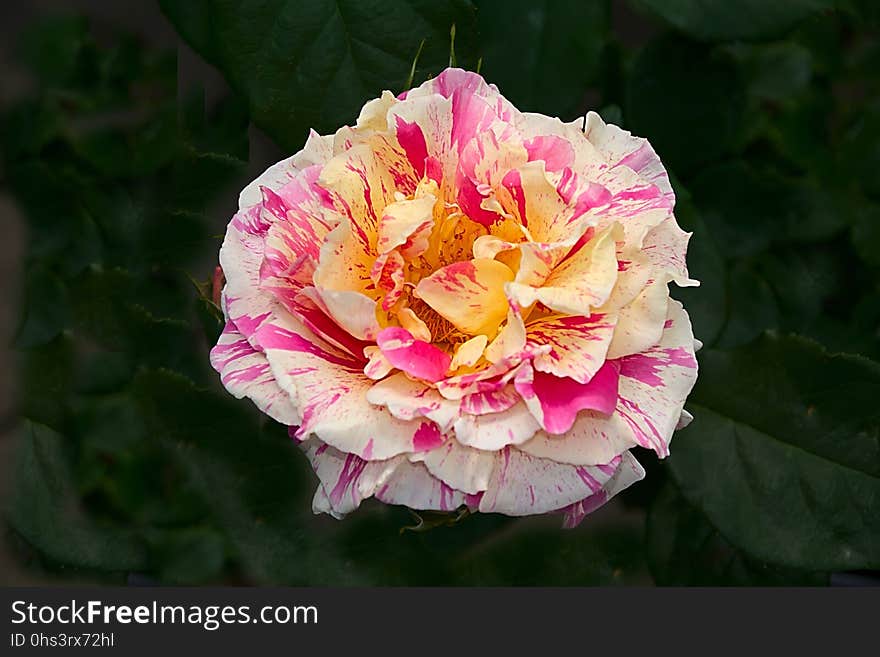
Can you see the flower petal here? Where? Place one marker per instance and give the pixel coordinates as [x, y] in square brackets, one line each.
[344, 264]
[352, 311]
[511, 339]
[628, 472]
[343, 287]
[494, 401]
[389, 276]
[361, 186]
[317, 150]
[620, 148]
[415, 357]
[329, 391]
[346, 480]
[496, 430]
[578, 344]
[423, 127]
[411, 322]
[413, 486]
[460, 467]
[468, 353]
[377, 367]
[525, 485]
[594, 438]
[469, 294]
[410, 400]
[654, 384]
[666, 246]
[301, 218]
[407, 224]
[555, 401]
[582, 282]
[640, 324]
[530, 196]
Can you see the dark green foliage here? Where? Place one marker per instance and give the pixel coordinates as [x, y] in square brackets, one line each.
[783, 455]
[722, 20]
[113, 173]
[133, 460]
[555, 76]
[685, 549]
[313, 64]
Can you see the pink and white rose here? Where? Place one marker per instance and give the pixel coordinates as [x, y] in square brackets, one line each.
[457, 303]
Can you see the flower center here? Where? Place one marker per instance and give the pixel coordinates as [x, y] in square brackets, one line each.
[442, 330]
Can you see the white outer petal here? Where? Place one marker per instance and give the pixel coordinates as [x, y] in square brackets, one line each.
[462, 468]
[317, 150]
[245, 372]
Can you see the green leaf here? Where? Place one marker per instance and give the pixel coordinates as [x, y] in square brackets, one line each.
[109, 423]
[215, 152]
[46, 307]
[749, 206]
[428, 520]
[684, 549]
[687, 100]
[107, 309]
[752, 307]
[607, 549]
[783, 455]
[47, 372]
[313, 63]
[493, 550]
[723, 20]
[777, 72]
[211, 319]
[741, 206]
[805, 280]
[45, 509]
[28, 127]
[612, 114]
[257, 481]
[49, 192]
[535, 57]
[189, 556]
[132, 149]
[800, 133]
[54, 48]
[866, 234]
[859, 152]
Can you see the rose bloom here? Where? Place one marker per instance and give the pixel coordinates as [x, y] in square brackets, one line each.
[457, 303]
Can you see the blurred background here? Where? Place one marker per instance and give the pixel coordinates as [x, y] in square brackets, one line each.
[128, 130]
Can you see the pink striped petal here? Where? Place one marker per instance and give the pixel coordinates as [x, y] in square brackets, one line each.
[245, 372]
[654, 384]
[555, 401]
[525, 485]
[415, 357]
[578, 344]
[628, 472]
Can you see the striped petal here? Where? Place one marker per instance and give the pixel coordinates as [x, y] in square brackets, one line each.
[525, 485]
[245, 372]
[329, 391]
[469, 294]
[654, 384]
[555, 401]
[578, 344]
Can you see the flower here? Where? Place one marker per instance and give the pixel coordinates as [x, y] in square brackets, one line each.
[457, 303]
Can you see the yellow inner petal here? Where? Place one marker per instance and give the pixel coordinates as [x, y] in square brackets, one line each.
[469, 294]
